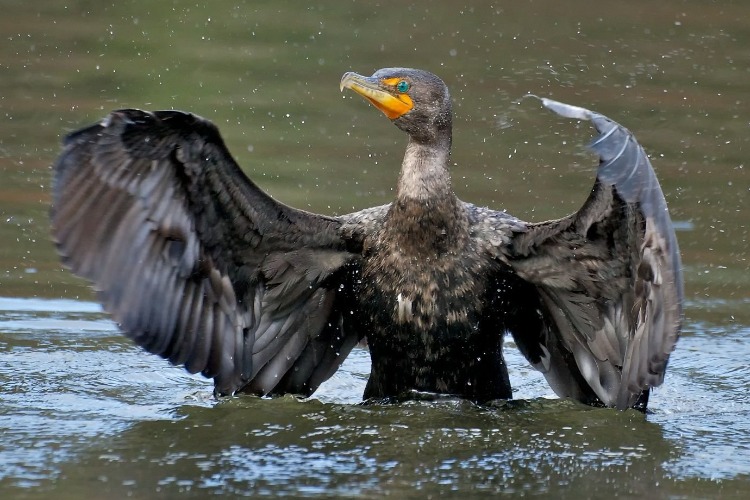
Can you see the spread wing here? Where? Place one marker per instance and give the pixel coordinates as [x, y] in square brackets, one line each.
[608, 279]
[194, 261]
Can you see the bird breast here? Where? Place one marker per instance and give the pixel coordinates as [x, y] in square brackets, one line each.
[426, 291]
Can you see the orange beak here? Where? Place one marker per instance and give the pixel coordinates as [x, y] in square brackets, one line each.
[382, 95]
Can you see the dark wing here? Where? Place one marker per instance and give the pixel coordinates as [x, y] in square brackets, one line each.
[608, 278]
[194, 261]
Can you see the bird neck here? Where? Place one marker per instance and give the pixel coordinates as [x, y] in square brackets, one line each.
[424, 171]
[426, 215]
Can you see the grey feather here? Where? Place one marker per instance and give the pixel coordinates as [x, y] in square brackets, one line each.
[201, 267]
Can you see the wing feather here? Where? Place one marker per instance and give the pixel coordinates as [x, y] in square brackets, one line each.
[193, 261]
[609, 278]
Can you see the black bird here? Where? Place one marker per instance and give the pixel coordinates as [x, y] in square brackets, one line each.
[201, 267]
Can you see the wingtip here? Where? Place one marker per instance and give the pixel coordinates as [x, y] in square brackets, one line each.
[566, 110]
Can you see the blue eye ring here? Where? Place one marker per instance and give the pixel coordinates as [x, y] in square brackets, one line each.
[402, 86]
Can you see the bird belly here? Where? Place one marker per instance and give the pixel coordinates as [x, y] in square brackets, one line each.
[428, 330]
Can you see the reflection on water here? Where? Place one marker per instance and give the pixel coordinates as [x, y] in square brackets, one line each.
[84, 413]
[86, 409]
[68, 377]
[376, 450]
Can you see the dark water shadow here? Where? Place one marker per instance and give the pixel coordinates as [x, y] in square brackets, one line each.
[249, 446]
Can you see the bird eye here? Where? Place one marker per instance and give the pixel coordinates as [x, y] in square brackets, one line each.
[402, 86]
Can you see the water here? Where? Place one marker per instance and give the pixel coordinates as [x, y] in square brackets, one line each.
[85, 413]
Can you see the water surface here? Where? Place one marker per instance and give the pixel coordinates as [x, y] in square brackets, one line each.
[85, 413]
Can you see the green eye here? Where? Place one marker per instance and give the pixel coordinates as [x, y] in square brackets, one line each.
[402, 86]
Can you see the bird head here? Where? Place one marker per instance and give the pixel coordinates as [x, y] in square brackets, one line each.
[416, 101]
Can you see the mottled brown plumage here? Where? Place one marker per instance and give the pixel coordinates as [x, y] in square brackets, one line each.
[201, 267]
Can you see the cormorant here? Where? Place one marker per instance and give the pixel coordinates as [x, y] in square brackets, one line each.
[201, 267]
